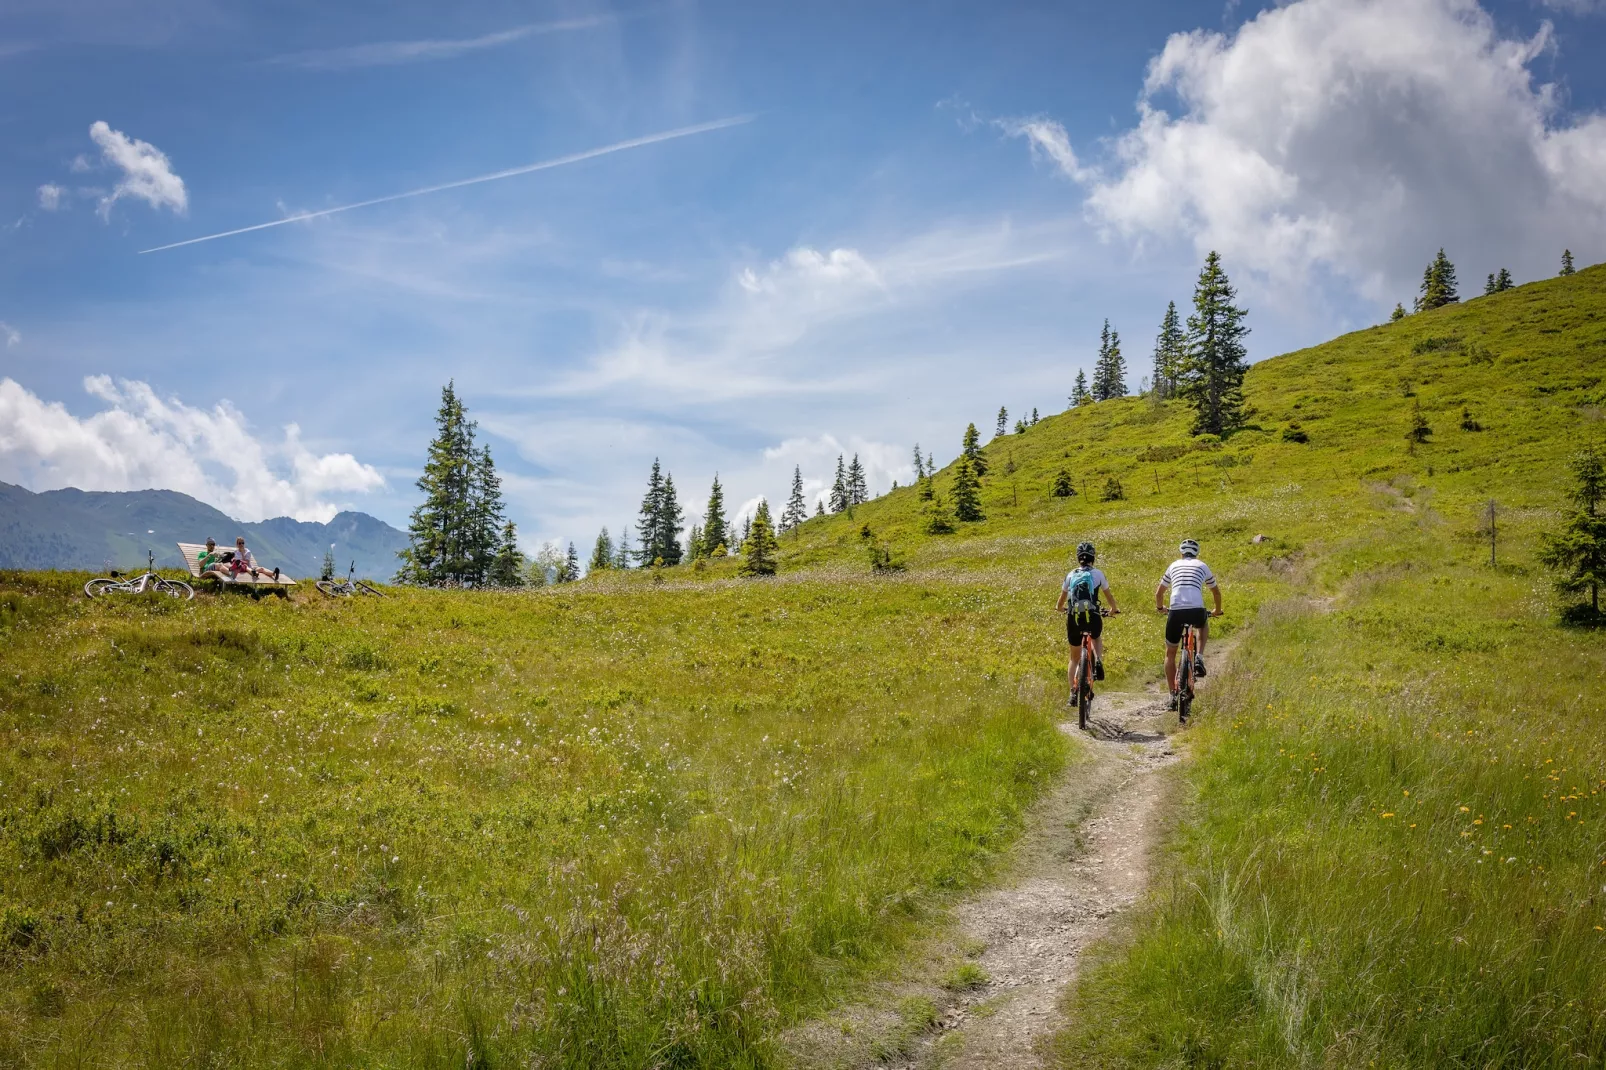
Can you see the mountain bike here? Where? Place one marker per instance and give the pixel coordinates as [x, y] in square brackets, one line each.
[1084, 678]
[150, 581]
[1187, 666]
[350, 587]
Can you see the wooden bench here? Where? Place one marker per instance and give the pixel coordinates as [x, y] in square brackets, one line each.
[192, 552]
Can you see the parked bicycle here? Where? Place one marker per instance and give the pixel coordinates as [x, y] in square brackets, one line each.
[351, 586]
[1084, 677]
[150, 581]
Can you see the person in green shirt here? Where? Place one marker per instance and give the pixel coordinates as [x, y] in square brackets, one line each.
[209, 557]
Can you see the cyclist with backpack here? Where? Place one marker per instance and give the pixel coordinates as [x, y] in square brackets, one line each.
[1079, 601]
[1186, 579]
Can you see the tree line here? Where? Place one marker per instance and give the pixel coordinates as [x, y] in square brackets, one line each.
[1439, 287]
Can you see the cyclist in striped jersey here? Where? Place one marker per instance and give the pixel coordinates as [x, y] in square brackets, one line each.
[1186, 579]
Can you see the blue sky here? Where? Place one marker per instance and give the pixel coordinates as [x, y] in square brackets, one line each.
[929, 214]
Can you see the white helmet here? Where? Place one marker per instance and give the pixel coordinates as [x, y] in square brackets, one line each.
[1189, 548]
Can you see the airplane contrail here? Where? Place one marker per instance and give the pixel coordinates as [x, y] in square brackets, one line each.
[544, 165]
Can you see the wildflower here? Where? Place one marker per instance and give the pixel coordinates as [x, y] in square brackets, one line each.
[1386, 815]
[1466, 809]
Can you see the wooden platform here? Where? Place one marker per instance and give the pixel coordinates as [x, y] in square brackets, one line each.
[192, 557]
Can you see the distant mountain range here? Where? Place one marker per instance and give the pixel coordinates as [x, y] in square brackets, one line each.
[96, 530]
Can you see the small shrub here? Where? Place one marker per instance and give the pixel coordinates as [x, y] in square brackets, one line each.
[965, 977]
[1468, 423]
[939, 518]
[882, 559]
[1436, 345]
[1159, 454]
[1063, 487]
[1294, 433]
[1113, 491]
[1478, 353]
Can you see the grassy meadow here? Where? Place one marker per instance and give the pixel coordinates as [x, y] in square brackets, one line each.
[651, 820]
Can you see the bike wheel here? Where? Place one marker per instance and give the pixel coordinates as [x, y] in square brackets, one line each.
[363, 588]
[1184, 689]
[1084, 694]
[333, 590]
[97, 587]
[176, 589]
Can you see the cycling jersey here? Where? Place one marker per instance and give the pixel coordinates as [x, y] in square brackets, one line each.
[1187, 578]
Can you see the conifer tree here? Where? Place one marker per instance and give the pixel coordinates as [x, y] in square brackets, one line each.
[819, 508]
[601, 553]
[1063, 487]
[797, 509]
[1034, 416]
[928, 490]
[970, 450]
[920, 463]
[328, 570]
[840, 499]
[758, 549]
[1003, 422]
[649, 527]
[1020, 427]
[1578, 548]
[571, 566]
[1109, 371]
[1213, 373]
[1170, 348]
[1566, 261]
[1079, 393]
[858, 490]
[694, 543]
[1438, 285]
[1419, 430]
[1502, 281]
[1398, 314]
[967, 496]
[507, 567]
[714, 519]
[453, 533]
[1489, 287]
[670, 519]
[622, 554]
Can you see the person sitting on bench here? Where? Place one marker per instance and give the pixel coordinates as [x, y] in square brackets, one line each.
[209, 558]
[244, 561]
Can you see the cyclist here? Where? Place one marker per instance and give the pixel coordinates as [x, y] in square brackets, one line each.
[1186, 579]
[1079, 601]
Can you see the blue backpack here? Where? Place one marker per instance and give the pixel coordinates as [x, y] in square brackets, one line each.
[1084, 595]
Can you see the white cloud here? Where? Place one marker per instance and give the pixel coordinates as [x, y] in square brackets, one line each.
[1357, 137]
[1050, 139]
[147, 173]
[1576, 7]
[50, 196]
[12, 335]
[389, 53]
[883, 463]
[140, 441]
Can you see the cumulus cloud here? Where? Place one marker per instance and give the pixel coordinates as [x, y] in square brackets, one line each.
[141, 440]
[147, 173]
[883, 464]
[50, 196]
[1357, 137]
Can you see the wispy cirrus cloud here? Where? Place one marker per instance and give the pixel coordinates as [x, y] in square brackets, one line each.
[392, 53]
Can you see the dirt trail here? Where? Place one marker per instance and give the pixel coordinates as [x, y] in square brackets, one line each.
[1083, 859]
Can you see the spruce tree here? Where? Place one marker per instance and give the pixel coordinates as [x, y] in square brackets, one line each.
[1003, 422]
[694, 543]
[970, 450]
[858, 490]
[1062, 486]
[1034, 416]
[1438, 285]
[1109, 371]
[648, 528]
[1419, 430]
[967, 496]
[507, 567]
[328, 570]
[1213, 372]
[1079, 393]
[601, 553]
[758, 549]
[571, 565]
[1398, 314]
[1170, 347]
[920, 463]
[453, 533]
[1577, 550]
[797, 509]
[819, 508]
[1566, 261]
[1489, 287]
[1502, 281]
[714, 519]
[622, 554]
[840, 499]
[670, 518]
[928, 490]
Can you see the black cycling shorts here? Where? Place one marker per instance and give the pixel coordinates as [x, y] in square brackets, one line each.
[1093, 626]
[1175, 619]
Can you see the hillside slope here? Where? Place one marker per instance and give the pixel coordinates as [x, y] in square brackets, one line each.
[75, 529]
[652, 819]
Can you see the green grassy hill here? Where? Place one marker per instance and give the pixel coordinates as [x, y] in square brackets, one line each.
[651, 820]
